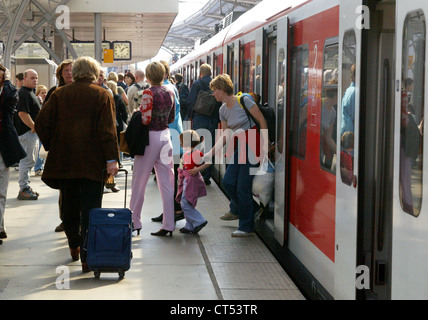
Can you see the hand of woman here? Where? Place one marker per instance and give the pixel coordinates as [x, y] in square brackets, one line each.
[112, 168]
[194, 171]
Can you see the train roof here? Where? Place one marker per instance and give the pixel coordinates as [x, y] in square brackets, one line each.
[258, 16]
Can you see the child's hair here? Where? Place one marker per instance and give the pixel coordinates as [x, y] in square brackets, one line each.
[189, 137]
[347, 140]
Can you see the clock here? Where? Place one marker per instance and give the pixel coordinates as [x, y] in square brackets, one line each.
[122, 50]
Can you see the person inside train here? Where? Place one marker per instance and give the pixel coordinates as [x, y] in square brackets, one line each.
[238, 178]
[191, 184]
[201, 121]
[346, 158]
[328, 121]
[348, 105]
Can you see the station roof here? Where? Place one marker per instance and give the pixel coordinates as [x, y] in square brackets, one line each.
[144, 23]
[205, 23]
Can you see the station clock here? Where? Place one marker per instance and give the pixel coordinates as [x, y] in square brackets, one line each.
[122, 50]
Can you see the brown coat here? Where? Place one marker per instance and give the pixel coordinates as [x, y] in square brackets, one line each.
[77, 126]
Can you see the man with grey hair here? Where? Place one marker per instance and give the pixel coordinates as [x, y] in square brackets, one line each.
[28, 108]
[135, 90]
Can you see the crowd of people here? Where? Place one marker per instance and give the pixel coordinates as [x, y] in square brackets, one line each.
[33, 117]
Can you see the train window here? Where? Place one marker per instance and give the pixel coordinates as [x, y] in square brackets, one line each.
[299, 100]
[412, 112]
[328, 131]
[348, 107]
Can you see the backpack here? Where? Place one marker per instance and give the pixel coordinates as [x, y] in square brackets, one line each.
[205, 103]
[268, 114]
[139, 95]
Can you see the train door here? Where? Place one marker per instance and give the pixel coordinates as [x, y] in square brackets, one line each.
[410, 211]
[280, 221]
[348, 153]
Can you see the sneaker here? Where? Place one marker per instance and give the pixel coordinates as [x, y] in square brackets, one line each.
[241, 234]
[39, 172]
[229, 216]
[27, 194]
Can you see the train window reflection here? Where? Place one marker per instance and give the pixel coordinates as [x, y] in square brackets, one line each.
[412, 112]
[328, 129]
[348, 108]
[299, 101]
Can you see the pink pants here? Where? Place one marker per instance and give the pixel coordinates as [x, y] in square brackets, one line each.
[158, 154]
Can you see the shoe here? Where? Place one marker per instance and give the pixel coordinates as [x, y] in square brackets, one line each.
[207, 182]
[199, 228]
[184, 230]
[39, 172]
[241, 234]
[3, 235]
[75, 254]
[178, 216]
[162, 233]
[1, 241]
[114, 189]
[59, 228]
[229, 216]
[136, 232]
[158, 219]
[85, 267]
[27, 194]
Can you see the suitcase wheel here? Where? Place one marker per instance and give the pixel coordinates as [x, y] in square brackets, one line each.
[121, 274]
[97, 274]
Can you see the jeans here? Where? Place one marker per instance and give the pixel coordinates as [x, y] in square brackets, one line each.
[39, 162]
[238, 184]
[193, 217]
[28, 141]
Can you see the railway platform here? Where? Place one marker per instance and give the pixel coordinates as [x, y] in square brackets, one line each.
[35, 263]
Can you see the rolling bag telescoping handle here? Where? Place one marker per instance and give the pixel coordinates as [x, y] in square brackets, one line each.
[126, 182]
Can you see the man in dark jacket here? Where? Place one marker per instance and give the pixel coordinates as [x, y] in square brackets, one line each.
[11, 151]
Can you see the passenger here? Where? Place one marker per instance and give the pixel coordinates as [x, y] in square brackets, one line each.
[41, 93]
[120, 91]
[121, 111]
[158, 153]
[176, 128]
[11, 150]
[129, 79]
[191, 184]
[346, 157]
[183, 93]
[74, 165]
[110, 184]
[201, 121]
[19, 80]
[27, 110]
[328, 120]
[140, 84]
[348, 105]
[121, 82]
[64, 76]
[238, 179]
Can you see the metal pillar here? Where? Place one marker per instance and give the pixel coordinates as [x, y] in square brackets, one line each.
[98, 29]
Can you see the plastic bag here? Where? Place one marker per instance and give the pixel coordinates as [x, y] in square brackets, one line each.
[264, 182]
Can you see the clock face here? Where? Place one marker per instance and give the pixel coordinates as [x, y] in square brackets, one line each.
[122, 50]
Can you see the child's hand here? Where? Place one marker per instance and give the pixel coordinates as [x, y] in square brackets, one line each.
[194, 171]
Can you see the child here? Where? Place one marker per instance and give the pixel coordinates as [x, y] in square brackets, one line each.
[191, 184]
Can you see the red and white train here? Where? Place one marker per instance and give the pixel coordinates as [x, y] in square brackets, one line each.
[347, 81]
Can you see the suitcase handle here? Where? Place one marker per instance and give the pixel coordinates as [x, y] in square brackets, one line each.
[126, 182]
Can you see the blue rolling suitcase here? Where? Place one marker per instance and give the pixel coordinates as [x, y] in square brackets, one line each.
[109, 238]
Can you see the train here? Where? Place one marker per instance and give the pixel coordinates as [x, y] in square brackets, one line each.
[346, 80]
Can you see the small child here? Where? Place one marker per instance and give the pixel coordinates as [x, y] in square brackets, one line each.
[191, 184]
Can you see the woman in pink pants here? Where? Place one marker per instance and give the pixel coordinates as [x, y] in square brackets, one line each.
[158, 110]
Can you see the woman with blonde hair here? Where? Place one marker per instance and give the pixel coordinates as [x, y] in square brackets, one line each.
[157, 111]
[112, 76]
[77, 127]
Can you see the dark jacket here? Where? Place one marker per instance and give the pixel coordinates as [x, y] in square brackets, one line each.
[10, 148]
[78, 127]
[137, 135]
[198, 85]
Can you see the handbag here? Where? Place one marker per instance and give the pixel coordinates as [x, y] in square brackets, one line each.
[123, 146]
[264, 181]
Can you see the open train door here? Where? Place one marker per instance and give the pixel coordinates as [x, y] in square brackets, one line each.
[350, 40]
[410, 211]
[280, 214]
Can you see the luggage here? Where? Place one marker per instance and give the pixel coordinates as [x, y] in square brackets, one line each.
[109, 238]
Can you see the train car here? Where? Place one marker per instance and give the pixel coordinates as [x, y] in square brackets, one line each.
[347, 82]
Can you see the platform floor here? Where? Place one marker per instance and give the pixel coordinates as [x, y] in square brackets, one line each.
[34, 259]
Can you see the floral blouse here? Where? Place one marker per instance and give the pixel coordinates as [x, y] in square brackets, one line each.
[158, 108]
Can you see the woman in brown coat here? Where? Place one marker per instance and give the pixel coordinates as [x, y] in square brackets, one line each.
[77, 127]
